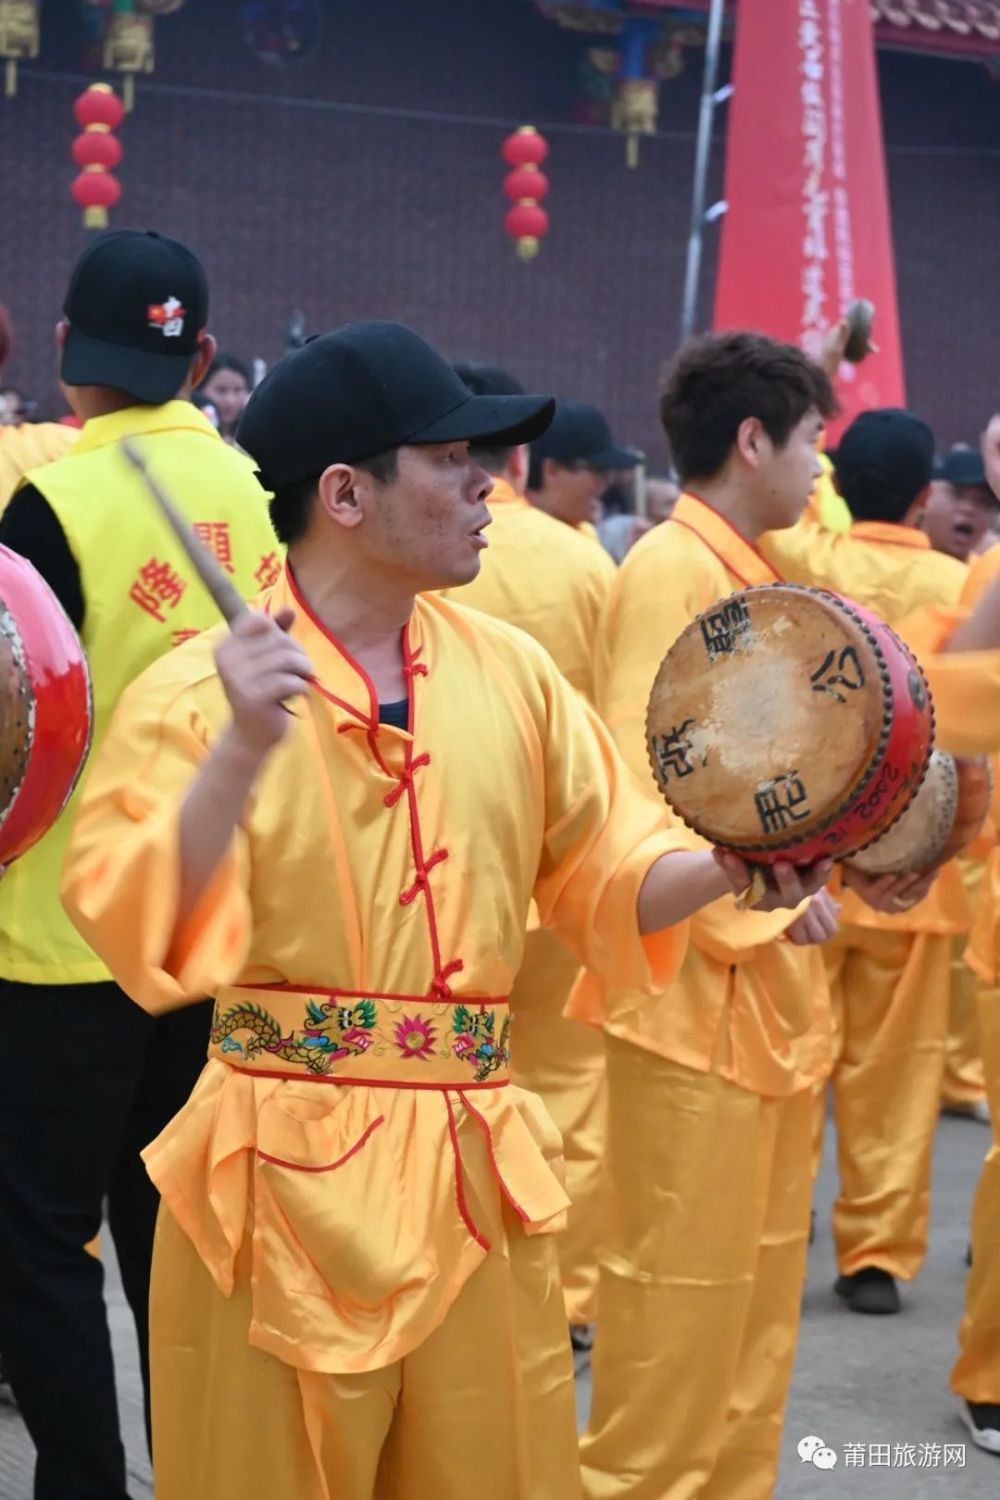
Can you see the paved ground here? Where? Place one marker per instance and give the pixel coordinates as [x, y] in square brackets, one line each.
[866, 1382]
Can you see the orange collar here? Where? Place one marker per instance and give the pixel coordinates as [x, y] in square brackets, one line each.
[887, 533]
[340, 679]
[738, 556]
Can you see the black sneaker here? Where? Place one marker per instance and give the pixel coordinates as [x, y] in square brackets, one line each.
[581, 1336]
[983, 1420]
[870, 1290]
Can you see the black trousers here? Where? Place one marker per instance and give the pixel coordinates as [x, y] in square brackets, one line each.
[87, 1079]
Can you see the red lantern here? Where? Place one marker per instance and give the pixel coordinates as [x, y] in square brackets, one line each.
[97, 148]
[96, 191]
[526, 221]
[99, 105]
[525, 148]
[525, 182]
[99, 111]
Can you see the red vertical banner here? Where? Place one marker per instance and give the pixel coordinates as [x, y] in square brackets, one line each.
[807, 228]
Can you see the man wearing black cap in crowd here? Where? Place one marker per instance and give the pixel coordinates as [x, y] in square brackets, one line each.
[889, 970]
[355, 1289]
[570, 464]
[87, 1079]
[549, 580]
[961, 509]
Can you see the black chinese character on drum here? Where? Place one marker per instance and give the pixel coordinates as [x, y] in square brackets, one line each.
[673, 751]
[839, 674]
[781, 802]
[725, 628]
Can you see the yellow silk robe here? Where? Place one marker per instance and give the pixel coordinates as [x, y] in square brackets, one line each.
[710, 1098]
[28, 446]
[551, 580]
[891, 569]
[545, 577]
[767, 997]
[361, 939]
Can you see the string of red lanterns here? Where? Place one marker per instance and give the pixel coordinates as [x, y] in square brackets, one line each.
[526, 185]
[96, 151]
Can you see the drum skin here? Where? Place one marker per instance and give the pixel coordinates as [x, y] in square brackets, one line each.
[46, 706]
[789, 723]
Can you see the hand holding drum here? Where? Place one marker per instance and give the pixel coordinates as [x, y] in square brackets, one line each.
[789, 724]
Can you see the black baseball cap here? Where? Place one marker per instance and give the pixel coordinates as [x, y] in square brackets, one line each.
[488, 380]
[963, 467]
[137, 305]
[889, 449]
[363, 389]
[580, 433]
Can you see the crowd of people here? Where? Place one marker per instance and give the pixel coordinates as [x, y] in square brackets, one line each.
[490, 1034]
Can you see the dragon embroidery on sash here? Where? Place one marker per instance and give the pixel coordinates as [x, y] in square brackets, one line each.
[329, 1032]
[475, 1040]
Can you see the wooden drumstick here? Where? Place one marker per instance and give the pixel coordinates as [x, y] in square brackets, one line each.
[228, 599]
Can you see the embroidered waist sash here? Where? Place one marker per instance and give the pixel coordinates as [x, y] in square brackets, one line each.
[340, 1036]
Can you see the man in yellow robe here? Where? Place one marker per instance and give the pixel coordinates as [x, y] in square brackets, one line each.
[710, 1086]
[571, 463]
[550, 581]
[355, 1286]
[889, 972]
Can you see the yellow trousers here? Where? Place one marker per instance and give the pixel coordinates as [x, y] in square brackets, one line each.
[976, 1375]
[563, 1061]
[484, 1407]
[701, 1283]
[890, 993]
[964, 1081]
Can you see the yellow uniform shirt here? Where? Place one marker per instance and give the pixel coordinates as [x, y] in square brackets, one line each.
[27, 447]
[366, 926]
[544, 577]
[141, 598]
[746, 1005]
[890, 569]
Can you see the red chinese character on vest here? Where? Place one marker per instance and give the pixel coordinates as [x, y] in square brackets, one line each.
[157, 585]
[269, 571]
[215, 536]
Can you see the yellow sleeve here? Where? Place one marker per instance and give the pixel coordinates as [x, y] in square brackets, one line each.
[981, 574]
[803, 553]
[121, 879]
[602, 835]
[30, 446]
[965, 685]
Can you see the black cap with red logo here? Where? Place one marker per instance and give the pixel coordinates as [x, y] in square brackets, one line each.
[137, 305]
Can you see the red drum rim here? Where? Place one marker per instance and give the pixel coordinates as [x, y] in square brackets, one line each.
[36, 622]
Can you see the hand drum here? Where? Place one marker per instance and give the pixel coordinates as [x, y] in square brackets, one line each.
[46, 708]
[789, 723]
[947, 813]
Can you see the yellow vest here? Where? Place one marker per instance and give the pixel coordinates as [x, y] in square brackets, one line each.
[141, 597]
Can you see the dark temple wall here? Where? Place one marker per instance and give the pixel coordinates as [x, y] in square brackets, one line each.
[367, 181]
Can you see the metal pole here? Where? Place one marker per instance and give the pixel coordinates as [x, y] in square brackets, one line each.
[702, 150]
